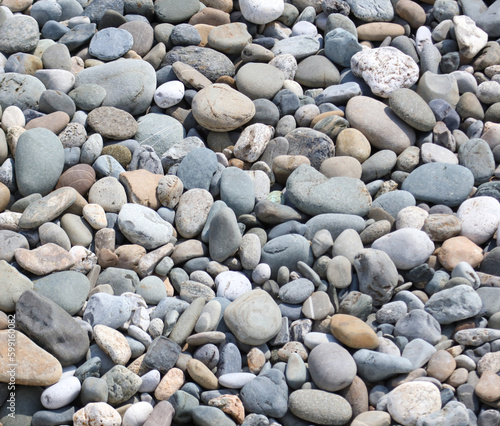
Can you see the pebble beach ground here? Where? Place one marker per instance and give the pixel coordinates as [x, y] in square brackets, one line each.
[249, 212]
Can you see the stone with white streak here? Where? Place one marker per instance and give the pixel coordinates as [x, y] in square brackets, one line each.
[385, 69]
[252, 142]
[470, 38]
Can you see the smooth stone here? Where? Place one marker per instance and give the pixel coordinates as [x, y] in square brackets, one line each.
[192, 212]
[39, 161]
[418, 324]
[373, 118]
[376, 366]
[317, 71]
[112, 311]
[197, 169]
[353, 332]
[296, 291]
[422, 247]
[306, 189]
[286, 250]
[266, 394]
[231, 285]
[340, 46]
[254, 318]
[60, 394]
[138, 413]
[454, 304]
[404, 102]
[479, 217]
[9, 242]
[261, 12]
[299, 47]
[237, 190]
[63, 337]
[129, 85]
[331, 367]
[142, 225]
[440, 183]
[257, 80]
[34, 366]
[20, 90]
[20, 34]
[419, 352]
[320, 407]
[438, 86]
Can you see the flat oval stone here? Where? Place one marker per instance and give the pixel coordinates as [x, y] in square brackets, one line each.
[381, 126]
[440, 183]
[110, 43]
[129, 85]
[224, 235]
[319, 407]
[17, 284]
[313, 193]
[237, 190]
[254, 318]
[418, 247]
[112, 123]
[47, 208]
[353, 332]
[113, 343]
[69, 289]
[299, 47]
[480, 217]
[80, 177]
[257, 80]
[331, 366]
[62, 393]
[34, 365]
[411, 108]
[39, 161]
[143, 226]
[375, 366]
[192, 212]
[220, 108]
[296, 291]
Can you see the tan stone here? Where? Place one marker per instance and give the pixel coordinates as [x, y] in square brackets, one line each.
[356, 394]
[171, 383]
[224, 5]
[4, 320]
[188, 250]
[231, 405]
[202, 375]
[113, 343]
[97, 414]
[320, 117]
[189, 75]
[169, 190]
[458, 377]
[441, 227]
[55, 122]
[148, 262]
[441, 365]
[12, 136]
[137, 366]
[34, 366]
[95, 215]
[341, 166]
[378, 31]
[45, 259]
[353, 332]
[106, 258]
[352, 143]
[411, 12]
[17, 5]
[129, 255]
[292, 347]
[488, 387]
[210, 16]
[284, 165]
[256, 360]
[204, 30]
[459, 249]
[372, 418]
[140, 186]
[4, 197]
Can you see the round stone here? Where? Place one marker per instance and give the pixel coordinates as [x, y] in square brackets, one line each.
[112, 123]
[254, 318]
[169, 94]
[332, 367]
[353, 332]
[259, 80]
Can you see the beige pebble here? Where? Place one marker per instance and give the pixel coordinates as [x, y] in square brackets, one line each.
[171, 383]
[441, 365]
[113, 343]
[459, 249]
[12, 116]
[202, 375]
[44, 259]
[95, 215]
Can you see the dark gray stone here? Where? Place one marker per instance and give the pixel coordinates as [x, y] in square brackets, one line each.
[162, 354]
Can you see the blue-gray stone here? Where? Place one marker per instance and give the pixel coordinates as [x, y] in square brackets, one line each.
[418, 351]
[299, 47]
[453, 413]
[70, 9]
[185, 35]
[286, 251]
[106, 165]
[476, 155]
[211, 63]
[39, 161]
[296, 291]
[53, 417]
[94, 389]
[122, 384]
[372, 10]
[378, 165]
[19, 34]
[169, 304]
[69, 289]
[394, 201]
[162, 354]
[136, 347]
[183, 404]
[419, 324]
[88, 96]
[145, 157]
[340, 46]
[197, 168]
[159, 131]
[289, 227]
[89, 368]
[310, 143]
[121, 280]
[313, 193]
[488, 20]
[30, 396]
[208, 354]
[337, 20]
[129, 85]
[216, 207]
[105, 362]
[376, 366]
[78, 36]
[97, 8]
[266, 394]
[22, 63]
[444, 112]
[237, 190]
[338, 94]
[287, 102]
[412, 301]
[54, 100]
[224, 235]
[110, 43]
[203, 415]
[106, 309]
[490, 297]
[266, 112]
[46, 11]
[440, 183]
[335, 223]
[20, 90]
[229, 359]
[152, 290]
[454, 304]
[292, 312]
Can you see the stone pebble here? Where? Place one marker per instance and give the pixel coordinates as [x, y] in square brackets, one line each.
[181, 197]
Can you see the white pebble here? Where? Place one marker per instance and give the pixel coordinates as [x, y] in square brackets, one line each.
[60, 394]
[169, 94]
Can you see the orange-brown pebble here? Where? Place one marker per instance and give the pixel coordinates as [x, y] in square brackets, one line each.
[353, 332]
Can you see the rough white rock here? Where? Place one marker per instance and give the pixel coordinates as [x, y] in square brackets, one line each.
[410, 401]
[480, 217]
[252, 142]
[231, 285]
[261, 11]
[411, 217]
[470, 38]
[13, 116]
[385, 69]
[97, 413]
[169, 94]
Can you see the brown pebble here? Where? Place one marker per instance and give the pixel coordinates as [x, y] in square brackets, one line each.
[231, 405]
[441, 365]
[284, 165]
[80, 177]
[459, 249]
[56, 122]
[353, 332]
[378, 31]
[141, 186]
[4, 197]
[171, 383]
[210, 16]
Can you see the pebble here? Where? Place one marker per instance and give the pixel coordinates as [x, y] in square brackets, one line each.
[319, 407]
